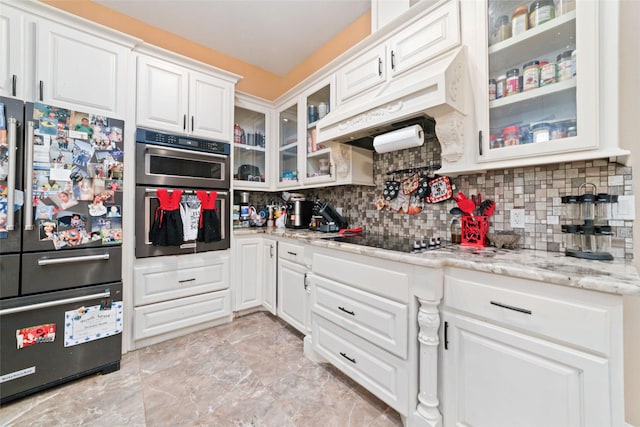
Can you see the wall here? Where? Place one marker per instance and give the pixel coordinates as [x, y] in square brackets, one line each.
[629, 113]
[256, 81]
[538, 189]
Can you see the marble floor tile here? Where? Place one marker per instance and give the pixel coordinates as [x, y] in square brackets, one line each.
[251, 372]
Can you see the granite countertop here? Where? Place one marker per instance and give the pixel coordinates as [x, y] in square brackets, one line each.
[617, 276]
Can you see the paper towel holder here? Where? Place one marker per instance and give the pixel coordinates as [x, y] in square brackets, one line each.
[400, 139]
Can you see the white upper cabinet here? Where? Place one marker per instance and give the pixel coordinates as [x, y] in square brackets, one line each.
[77, 69]
[163, 92]
[180, 99]
[362, 73]
[12, 78]
[419, 41]
[210, 106]
[559, 73]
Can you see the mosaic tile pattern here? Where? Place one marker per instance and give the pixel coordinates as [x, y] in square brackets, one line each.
[537, 189]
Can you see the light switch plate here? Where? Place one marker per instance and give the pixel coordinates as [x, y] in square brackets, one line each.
[517, 218]
[625, 209]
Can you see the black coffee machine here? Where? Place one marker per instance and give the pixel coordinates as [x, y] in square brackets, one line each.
[332, 221]
[299, 213]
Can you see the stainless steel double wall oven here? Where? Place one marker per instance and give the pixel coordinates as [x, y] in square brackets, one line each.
[176, 162]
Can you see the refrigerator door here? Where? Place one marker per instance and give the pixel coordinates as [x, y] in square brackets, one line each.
[70, 269]
[11, 161]
[46, 362]
[73, 171]
[9, 275]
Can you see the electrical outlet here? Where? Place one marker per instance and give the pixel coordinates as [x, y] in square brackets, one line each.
[517, 218]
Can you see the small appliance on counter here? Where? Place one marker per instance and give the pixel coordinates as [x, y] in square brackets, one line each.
[299, 213]
[330, 220]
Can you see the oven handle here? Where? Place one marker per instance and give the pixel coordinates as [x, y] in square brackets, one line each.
[149, 148]
[105, 294]
[154, 190]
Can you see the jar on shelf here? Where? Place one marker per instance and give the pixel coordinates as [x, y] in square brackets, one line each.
[541, 11]
[558, 130]
[603, 238]
[511, 135]
[513, 82]
[604, 203]
[492, 89]
[571, 208]
[541, 132]
[588, 238]
[587, 207]
[531, 75]
[571, 237]
[501, 86]
[503, 28]
[525, 135]
[547, 73]
[520, 20]
[456, 231]
[565, 66]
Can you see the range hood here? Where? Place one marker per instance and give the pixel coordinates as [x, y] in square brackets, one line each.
[432, 93]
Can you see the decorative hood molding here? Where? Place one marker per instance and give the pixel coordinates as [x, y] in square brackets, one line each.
[436, 89]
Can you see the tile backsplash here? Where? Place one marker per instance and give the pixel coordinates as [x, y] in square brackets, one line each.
[536, 189]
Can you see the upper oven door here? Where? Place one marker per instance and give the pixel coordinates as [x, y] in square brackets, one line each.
[175, 167]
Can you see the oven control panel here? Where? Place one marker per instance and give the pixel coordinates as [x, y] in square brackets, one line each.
[146, 136]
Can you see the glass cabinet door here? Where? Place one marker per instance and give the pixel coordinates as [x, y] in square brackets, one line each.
[534, 100]
[318, 157]
[288, 147]
[250, 147]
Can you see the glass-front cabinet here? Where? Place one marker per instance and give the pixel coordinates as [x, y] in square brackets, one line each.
[317, 160]
[542, 91]
[251, 145]
[288, 134]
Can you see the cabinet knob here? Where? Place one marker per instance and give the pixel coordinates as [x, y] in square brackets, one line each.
[393, 60]
[184, 122]
[380, 67]
[41, 90]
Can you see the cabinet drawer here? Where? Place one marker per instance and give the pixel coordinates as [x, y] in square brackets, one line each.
[291, 252]
[378, 320]
[155, 319]
[381, 373]
[384, 278]
[172, 280]
[518, 303]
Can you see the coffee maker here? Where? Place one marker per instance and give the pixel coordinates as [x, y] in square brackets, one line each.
[331, 220]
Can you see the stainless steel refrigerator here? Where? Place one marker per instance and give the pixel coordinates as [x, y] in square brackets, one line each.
[61, 175]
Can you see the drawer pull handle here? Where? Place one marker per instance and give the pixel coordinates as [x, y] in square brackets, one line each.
[347, 357]
[292, 253]
[346, 311]
[510, 307]
[186, 280]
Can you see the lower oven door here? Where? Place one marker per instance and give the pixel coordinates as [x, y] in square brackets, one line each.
[146, 204]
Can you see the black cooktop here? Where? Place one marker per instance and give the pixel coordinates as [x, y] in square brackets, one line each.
[392, 243]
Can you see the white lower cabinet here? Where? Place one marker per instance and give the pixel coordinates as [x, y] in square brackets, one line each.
[292, 294]
[254, 273]
[360, 322]
[178, 292]
[504, 363]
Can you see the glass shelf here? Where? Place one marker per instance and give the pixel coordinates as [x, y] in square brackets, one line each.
[250, 146]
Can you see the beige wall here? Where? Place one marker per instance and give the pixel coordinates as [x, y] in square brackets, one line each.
[256, 81]
[629, 113]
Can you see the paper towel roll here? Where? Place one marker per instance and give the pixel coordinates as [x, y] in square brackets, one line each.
[411, 136]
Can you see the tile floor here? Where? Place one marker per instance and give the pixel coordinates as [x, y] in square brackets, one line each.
[251, 372]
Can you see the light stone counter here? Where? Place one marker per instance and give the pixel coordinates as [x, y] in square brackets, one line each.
[617, 277]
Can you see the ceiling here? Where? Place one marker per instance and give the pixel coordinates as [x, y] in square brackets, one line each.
[275, 35]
